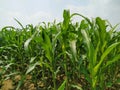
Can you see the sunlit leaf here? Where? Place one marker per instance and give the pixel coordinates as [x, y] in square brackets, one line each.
[62, 86]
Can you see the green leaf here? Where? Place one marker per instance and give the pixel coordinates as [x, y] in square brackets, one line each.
[101, 24]
[90, 47]
[19, 23]
[95, 54]
[77, 87]
[86, 73]
[55, 40]
[112, 29]
[8, 65]
[109, 84]
[66, 16]
[83, 24]
[105, 53]
[116, 58]
[47, 45]
[87, 19]
[48, 66]
[117, 81]
[102, 29]
[62, 86]
[32, 59]
[26, 44]
[73, 49]
[31, 67]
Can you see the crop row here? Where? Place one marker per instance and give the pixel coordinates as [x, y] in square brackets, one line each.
[55, 56]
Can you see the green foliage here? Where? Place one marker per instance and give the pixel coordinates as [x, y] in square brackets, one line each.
[65, 56]
[62, 86]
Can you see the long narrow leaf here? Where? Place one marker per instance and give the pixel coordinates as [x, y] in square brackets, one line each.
[107, 51]
[116, 58]
[62, 86]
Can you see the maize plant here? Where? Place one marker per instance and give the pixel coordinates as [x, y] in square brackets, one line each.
[68, 55]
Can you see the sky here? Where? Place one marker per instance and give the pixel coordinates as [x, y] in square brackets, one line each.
[36, 11]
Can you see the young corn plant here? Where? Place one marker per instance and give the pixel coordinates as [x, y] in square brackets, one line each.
[98, 54]
[61, 56]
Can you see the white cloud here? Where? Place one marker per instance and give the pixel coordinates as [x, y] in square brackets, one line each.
[84, 10]
[107, 9]
[26, 13]
[33, 18]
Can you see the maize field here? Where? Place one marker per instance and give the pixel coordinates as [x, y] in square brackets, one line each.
[67, 55]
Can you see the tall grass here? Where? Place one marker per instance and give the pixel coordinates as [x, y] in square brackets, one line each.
[62, 56]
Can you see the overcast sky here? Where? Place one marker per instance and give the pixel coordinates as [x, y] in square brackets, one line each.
[35, 11]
